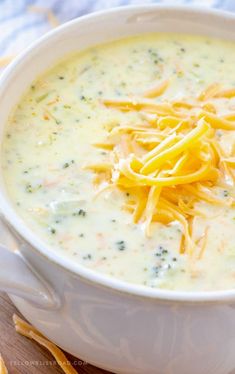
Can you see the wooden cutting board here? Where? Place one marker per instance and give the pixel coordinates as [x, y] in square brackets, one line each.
[23, 356]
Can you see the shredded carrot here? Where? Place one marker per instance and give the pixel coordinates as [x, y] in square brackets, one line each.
[222, 246]
[29, 331]
[168, 162]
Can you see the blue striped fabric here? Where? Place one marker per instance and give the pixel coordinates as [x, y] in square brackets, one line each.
[19, 26]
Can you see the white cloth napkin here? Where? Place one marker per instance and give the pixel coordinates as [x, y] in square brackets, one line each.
[19, 26]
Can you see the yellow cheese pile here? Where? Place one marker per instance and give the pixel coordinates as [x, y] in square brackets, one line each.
[171, 160]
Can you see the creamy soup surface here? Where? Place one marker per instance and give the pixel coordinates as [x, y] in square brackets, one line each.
[50, 136]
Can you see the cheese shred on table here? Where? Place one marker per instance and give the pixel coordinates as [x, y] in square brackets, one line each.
[29, 331]
[3, 368]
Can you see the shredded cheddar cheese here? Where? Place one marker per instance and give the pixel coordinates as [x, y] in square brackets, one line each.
[3, 368]
[209, 92]
[29, 331]
[157, 90]
[203, 242]
[171, 162]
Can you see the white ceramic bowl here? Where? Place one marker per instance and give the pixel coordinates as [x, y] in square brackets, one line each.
[117, 326]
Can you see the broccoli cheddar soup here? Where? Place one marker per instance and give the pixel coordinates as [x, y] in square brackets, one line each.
[122, 158]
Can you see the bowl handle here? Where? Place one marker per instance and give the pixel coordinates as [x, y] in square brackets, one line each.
[18, 278]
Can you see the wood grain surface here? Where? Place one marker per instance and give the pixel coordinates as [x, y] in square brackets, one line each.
[23, 356]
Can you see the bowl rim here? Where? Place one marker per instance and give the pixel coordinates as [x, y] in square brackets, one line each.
[18, 226]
